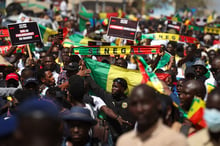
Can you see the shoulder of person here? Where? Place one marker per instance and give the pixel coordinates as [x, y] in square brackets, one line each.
[124, 139]
[199, 138]
[175, 137]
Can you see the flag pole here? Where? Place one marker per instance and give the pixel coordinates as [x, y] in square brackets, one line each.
[29, 51]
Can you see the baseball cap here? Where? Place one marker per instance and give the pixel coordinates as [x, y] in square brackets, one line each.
[38, 109]
[77, 113]
[72, 66]
[30, 80]
[12, 76]
[7, 126]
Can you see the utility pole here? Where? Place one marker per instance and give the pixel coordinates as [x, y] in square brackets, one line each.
[73, 7]
[80, 6]
[124, 5]
[103, 5]
[143, 7]
[97, 6]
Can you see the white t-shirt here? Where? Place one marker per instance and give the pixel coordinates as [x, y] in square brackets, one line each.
[63, 8]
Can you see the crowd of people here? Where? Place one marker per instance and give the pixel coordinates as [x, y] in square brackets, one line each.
[51, 98]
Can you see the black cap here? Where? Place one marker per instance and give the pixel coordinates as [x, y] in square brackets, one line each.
[72, 66]
[30, 80]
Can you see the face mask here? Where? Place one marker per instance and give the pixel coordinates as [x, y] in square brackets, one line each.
[38, 49]
[212, 117]
[48, 44]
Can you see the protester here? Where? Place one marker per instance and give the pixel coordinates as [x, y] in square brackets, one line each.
[79, 122]
[38, 124]
[144, 105]
[89, 59]
[209, 135]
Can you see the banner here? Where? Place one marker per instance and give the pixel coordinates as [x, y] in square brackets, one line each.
[170, 37]
[116, 50]
[4, 33]
[173, 26]
[4, 49]
[212, 30]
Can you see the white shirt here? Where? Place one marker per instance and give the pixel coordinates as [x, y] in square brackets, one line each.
[63, 8]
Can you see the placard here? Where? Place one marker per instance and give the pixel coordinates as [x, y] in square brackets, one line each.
[98, 43]
[24, 33]
[122, 28]
[173, 27]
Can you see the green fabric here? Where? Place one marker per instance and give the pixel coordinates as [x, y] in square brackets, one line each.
[196, 28]
[82, 22]
[147, 36]
[164, 60]
[207, 74]
[33, 5]
[42, 30]
[76, 38]
[99, 71]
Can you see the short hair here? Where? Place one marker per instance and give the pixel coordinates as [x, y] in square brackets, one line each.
[122, 82]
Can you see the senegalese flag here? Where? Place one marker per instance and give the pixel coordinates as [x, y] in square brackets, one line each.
[46, 32]
[79, 39]
[211, 18]
[177, 18]
[164, 60]
[119, 14]
[76, 40]
[196, 28]
[154, 81]
[104, 74]
[196, 111]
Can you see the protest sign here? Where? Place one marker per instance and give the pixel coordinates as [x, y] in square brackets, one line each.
[122, 28]
[98, 43]
[173, 26]
[24, 33]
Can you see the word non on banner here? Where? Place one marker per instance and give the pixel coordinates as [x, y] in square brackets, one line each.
[116, 50]
[122, 28]
[24, 33]
[212, 30]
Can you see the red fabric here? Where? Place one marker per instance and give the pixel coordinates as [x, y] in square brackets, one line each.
[197, 118]
[162, 76]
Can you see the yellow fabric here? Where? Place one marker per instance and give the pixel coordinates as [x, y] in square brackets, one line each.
[85, 40]
[212, 30]
[167, 36]
[103, 15]
[133, 77]
[209, 88]
[195, 107]
[47, 33]
[112, 50]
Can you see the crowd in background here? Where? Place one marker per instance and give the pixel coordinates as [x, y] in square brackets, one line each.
[51, 98]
